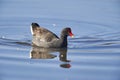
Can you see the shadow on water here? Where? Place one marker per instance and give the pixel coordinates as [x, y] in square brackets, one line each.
[46, 53]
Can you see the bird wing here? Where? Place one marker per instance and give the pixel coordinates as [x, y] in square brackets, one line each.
[44, 34]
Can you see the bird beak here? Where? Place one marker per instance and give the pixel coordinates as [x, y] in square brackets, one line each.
[71, 35]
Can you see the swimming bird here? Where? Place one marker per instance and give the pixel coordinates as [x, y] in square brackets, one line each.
[44, 38]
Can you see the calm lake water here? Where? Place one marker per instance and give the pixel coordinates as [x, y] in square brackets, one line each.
[94, 53]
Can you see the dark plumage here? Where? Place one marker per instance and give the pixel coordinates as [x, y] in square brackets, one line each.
[44, 38]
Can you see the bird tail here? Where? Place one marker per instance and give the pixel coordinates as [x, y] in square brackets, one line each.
[34, 27]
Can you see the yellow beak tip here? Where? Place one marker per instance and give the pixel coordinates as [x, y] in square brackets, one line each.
[72, 36]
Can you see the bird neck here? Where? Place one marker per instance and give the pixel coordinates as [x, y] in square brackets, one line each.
[64, 40]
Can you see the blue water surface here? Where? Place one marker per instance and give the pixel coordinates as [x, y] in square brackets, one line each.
[93, 54]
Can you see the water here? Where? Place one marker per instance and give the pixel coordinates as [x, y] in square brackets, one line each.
[94, 53]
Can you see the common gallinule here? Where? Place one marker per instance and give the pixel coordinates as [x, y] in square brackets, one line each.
[46, 39]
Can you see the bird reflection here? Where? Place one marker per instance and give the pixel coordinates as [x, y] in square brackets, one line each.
[41, 53]
[46, 53]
